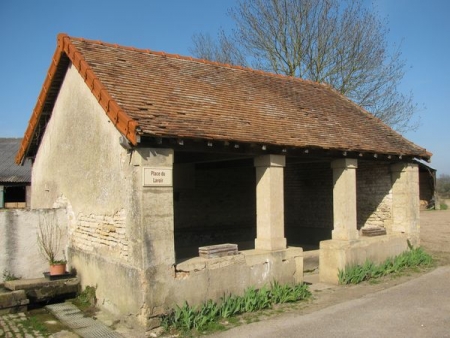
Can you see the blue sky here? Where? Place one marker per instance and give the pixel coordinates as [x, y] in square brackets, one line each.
[28, 31]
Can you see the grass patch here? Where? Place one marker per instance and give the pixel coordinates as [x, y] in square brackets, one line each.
[411, 259]
[32, 325]
[205, 317]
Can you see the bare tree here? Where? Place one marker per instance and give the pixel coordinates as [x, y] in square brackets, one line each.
[341, 43]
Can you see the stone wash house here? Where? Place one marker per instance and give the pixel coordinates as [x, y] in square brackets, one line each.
[155, 155]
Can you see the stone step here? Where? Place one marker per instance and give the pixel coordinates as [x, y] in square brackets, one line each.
[310, 260]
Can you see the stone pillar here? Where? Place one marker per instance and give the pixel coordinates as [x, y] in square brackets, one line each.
[344, 199]
[154, 186]
[405, 199]
[270, 202]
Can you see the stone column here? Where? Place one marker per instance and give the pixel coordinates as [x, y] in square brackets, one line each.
[405, 199]
[270, 202]
[344, 199]
[154, 189]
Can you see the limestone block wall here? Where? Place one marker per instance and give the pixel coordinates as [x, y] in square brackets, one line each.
[102, 231]
[19, 252]
[374, 194]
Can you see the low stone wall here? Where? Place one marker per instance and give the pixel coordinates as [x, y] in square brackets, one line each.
[199, 279]
[336, 255]
[140, 297]
[19, 252]
[119, 287]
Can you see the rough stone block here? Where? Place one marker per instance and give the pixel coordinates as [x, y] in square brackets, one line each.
[42, 289]
[14, 301]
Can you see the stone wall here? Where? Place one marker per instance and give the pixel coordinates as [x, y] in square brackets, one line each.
[19, 252]
[374, 194]
[81, 166]
[102, 232]
[198, 279]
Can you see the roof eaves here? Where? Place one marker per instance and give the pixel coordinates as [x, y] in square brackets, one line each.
[38, 109]
[125, 124]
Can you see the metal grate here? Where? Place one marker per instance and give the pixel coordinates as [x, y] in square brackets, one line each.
[86, 327]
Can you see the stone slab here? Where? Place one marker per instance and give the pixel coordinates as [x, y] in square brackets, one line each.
[42, 289]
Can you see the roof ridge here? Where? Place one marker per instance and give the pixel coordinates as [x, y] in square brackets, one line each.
[199, 60]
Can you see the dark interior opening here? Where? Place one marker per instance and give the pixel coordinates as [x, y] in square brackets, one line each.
[14, 194]
[308, 203]
[214, 202]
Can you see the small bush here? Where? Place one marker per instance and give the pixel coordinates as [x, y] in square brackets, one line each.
[444, 206]
[409, 259]
[86, 299]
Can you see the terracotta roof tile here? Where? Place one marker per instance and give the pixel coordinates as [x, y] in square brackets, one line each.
[173, 96]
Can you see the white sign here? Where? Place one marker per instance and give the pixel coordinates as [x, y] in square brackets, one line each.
[157, 177]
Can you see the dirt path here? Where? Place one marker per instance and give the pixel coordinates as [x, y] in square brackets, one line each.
[435, 234]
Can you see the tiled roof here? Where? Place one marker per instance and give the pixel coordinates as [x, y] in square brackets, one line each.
[163, 95]
[10, 172]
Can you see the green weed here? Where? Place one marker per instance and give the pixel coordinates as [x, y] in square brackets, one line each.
[86, 299]
[207, 315]
[413, 258]
[9, 276]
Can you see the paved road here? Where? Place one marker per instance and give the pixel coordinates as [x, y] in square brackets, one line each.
[418, 308]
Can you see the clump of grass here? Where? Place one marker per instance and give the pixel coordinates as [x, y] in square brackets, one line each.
[9, 276]
[207, 315]
[32, 325]
[412, 258]
[86, 300]
[444, 206]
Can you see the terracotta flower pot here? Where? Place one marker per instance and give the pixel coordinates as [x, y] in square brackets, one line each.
[57, 269]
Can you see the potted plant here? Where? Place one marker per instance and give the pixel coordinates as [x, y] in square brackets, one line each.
[49, 236]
